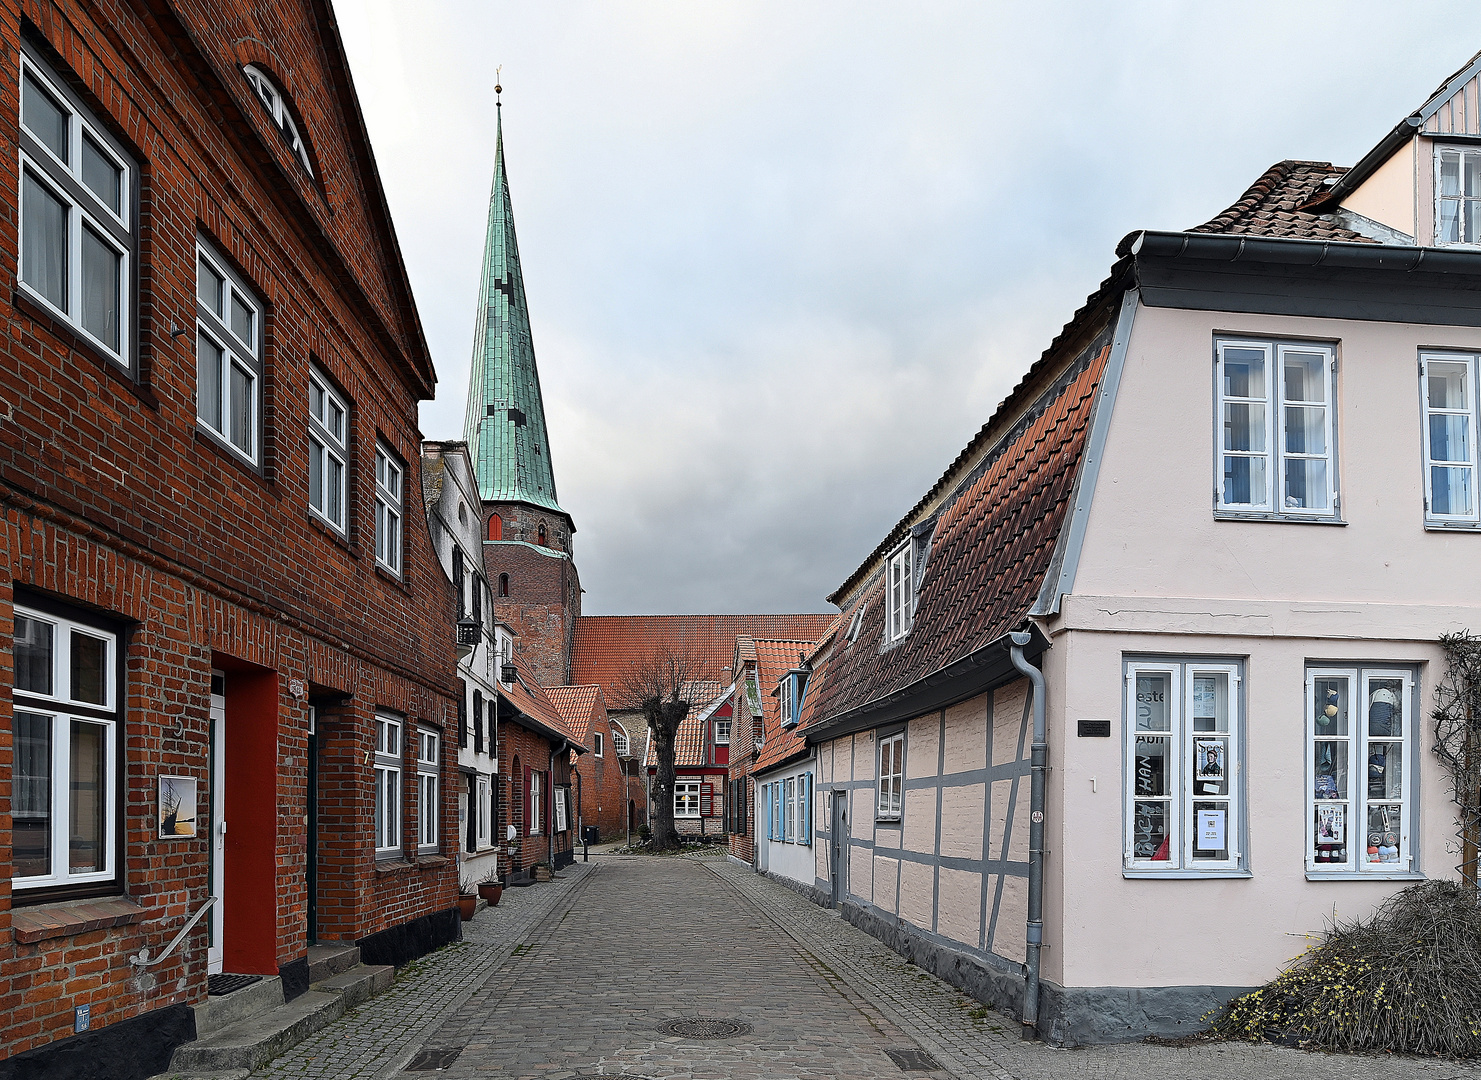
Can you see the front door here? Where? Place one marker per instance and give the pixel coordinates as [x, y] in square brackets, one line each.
[218, 819]
[837, 845]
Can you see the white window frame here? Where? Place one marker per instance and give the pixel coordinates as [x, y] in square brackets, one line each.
[1357, 861]
[61, 710]
[619, 741]
[483, 791]
[1184, 737]
[1461, 199]
[85, 209]
[899, 592]
[537, 803]
[785, 692]
[428, 784]
[1272, 502]
[328, 450]
[857, 622]
[889, 774]
[789, 814]
[722, 732]
[596, 739]
[276, 104]
[388, 764]
[686, 798]
[1428, 414]
[236, 352]
[390, 487]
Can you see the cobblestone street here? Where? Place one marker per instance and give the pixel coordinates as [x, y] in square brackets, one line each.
[575, 978]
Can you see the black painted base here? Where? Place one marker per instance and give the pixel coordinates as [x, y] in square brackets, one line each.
[295, 976]
[400, 945]
[129, 1050]
[564, 859]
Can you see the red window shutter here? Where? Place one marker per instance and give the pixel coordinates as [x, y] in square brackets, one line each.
[704, 802]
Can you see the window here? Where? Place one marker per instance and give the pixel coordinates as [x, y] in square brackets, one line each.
[458, 579]
[66, 752]
[76, 231]
[534, 805]
[484, 808]
[387, 787]
[789, 711]
[228, 355]
[462, 713]
[1276, 429]
[857, 622]
[1457, 196]
[1448, 398]
[1359, 769]
[891, 777]
[686, 798]
[496, 527]
[1183, 776]
[789, 811]
[478, 721]
[596, 738]
[722, 732]
[503, 584]
[277, 108]
[799, 809]
[427, 806]
[388, 512]
[900, 594]
[774, 811]
[619, 741]
[327, 435]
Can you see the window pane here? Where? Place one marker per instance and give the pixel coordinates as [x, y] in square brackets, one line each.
[336, 424]
[1244, 481]
[1446, 384]
[43, 241]
[33, 655]
[45, 118]
[31, 800]
[1330, 833]
[243, 321]
[209, 361]
[1385, 717]
[1152, 773]
[1471, 222]
[1152, 692]
[1149, 831]
[1211, 766]
[1450, 437]
[102, 279]
[1331, 707]
[1244, 426]
[210, 286]
[1211, 702]
[1472, 171]
[1244, 373]
[1211, 836]
[1385, 831]
[85, 830]
[1448, 229]
[1304, 377]
[1306, 484]
[241, 408]
[102, 175]
[335, 493]
[1450, 490]
[316, 401]
[1449, 174]
[1331, 770]
[89, 669]
[316, 475]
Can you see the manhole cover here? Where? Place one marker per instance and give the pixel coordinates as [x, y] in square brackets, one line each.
[704, 1027]
[432, 1060]
[221, 985]
[914, 1060]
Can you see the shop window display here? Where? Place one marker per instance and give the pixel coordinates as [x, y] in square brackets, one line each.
[1360, 728]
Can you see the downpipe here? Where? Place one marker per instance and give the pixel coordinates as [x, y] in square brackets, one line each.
[1039, 764]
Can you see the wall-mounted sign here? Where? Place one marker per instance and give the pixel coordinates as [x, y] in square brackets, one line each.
[176, 806]
[297, 688]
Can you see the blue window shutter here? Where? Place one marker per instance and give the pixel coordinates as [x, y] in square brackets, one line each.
[766, 794]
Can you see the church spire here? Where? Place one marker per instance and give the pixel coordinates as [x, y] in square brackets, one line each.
[505, 425]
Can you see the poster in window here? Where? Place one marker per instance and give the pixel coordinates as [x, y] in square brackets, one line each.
[560, 809]
[176, 806]
[1210, 830]
[1209, 759]
[1331, 824]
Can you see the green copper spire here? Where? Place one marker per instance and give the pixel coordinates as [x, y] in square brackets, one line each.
[505, 426]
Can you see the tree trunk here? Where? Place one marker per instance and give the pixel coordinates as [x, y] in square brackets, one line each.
[664, 718]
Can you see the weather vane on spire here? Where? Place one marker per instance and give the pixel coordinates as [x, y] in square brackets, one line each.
[498, 78]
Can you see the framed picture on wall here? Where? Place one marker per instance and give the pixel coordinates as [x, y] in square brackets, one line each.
[176, 806]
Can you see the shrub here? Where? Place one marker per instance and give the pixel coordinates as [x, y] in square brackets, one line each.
[1408, 979]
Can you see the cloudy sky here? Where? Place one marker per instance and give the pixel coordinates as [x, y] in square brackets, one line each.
[783, 260]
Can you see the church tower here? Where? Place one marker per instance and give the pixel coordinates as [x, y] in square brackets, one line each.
[527, 536]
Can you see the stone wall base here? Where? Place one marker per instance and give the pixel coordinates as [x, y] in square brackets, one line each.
[128, 1050]
[400, 945]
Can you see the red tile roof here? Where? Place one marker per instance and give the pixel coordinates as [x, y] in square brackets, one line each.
[992, 546]
[606, 646]
[773, 660]
[531, 699]
[578, 707]
[1273, 205]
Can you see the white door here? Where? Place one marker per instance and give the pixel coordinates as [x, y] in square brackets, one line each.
[218, 819]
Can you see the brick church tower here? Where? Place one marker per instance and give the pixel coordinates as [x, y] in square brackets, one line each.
[527, 536]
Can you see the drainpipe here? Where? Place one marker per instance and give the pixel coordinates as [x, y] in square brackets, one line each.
[1040, 762]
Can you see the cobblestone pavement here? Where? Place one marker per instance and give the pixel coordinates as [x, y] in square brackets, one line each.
[573, 978]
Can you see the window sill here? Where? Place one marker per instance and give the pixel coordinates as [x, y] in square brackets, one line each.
[393, 865]
[72, 917]
[1362, 875]
[80, 344]
[427, 859]
[1279, 519]
[1452, 526]
[1184, 875]
[891, 822]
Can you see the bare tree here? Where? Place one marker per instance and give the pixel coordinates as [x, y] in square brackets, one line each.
[661, 686]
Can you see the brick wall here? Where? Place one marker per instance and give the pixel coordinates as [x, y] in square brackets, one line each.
[544, 598]
[524, 749]
[605, 786]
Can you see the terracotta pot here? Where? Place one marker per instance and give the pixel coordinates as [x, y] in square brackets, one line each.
[467, 905]
[491, 893]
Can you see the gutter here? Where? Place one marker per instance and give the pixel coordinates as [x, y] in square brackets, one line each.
[1351, 180]
[1340, 254]
[1040, 762]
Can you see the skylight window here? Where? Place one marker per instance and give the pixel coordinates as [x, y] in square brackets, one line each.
[277, 107]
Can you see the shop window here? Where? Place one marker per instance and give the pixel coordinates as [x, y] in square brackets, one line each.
[890, 777]
[228, 355]
[428, 769]
[686, 798]
[1360, 766]
[388, 475]
[1448, 400]
[328, 432]
[65, 771]
[1276, 429]
[77, 232]
[387, 787]
[1183, 778]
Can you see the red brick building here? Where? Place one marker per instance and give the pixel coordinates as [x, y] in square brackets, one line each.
[603, 797]
[217, 598]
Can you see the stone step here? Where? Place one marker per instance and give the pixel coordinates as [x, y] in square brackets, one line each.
[215, 1013]
[359, 984]
[329, 960]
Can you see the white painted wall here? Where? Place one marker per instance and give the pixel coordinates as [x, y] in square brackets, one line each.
[794, 861]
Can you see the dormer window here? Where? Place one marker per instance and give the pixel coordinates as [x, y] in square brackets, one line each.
[277, 107]
[900, 593]
[1457, 196]
[793, 689]
[856, 623]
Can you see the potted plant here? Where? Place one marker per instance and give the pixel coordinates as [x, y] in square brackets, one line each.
[491, 888]
[467, 901]
[540, 871]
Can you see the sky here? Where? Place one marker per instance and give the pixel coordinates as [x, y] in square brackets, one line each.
[784, 260]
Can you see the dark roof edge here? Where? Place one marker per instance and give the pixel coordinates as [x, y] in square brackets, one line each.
[976, 673]
[525, 720]
[1370, 163]
[1242, 247]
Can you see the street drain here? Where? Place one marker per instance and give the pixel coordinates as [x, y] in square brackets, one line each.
[704, 1027]
[432, 1060]
[914, 1060]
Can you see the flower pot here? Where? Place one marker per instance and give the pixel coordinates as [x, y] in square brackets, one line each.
[467, 904]
[491, 892]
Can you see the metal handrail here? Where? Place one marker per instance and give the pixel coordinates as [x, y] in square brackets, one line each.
[141, 958]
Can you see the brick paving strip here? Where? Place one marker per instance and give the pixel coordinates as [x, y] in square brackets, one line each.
[380, 1037]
